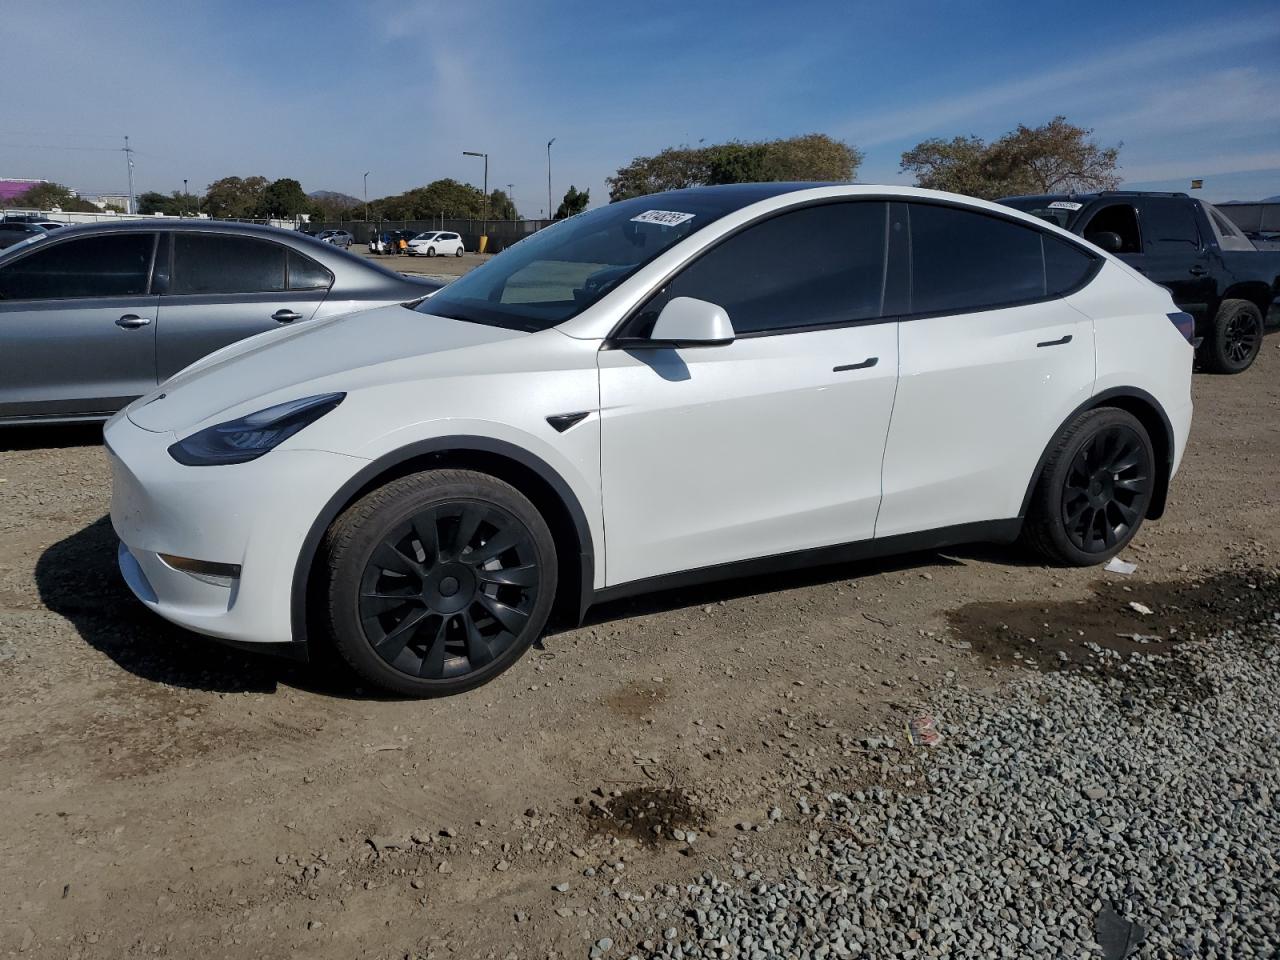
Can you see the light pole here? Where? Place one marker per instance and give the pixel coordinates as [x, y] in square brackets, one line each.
[366, 196]
[484, 230]
[549, 206]
[184, 196]
[511, 190]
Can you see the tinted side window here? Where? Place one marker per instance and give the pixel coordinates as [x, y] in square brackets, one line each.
[962, 260]
[211, 263]
[1120, 219]
[1168, 224]
[814, 266]
[306, 274]
[106, 266]
[1065, 265]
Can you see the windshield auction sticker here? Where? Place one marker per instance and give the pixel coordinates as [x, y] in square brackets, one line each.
[1065, 205]
[666, 218]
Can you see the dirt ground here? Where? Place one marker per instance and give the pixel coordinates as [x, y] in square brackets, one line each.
[163, 796]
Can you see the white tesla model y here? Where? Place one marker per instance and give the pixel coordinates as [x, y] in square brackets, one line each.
[669, 389]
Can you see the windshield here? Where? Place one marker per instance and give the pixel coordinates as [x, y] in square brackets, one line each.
[1059, 212]
[559, 271]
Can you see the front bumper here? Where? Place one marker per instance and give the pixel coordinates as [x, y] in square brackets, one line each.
[255, 515]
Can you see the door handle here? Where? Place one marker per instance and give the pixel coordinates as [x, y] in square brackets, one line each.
[1055, 343]
[1198, 271]
[286, 316]
[131, 321]
[869, 362]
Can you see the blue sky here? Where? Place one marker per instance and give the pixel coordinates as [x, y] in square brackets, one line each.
[323, 91]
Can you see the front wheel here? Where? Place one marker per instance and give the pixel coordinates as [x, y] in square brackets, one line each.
[431, 251]
[1235, 337]
[1094, 490]
[438, 582]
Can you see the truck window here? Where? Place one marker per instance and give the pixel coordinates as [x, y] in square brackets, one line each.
[1120, 219]
[1169, 223]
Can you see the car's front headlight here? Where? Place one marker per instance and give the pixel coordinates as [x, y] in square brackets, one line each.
[247, 438]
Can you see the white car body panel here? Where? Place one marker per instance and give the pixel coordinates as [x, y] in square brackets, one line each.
[686, 458]
[765, 448]
[977, 400]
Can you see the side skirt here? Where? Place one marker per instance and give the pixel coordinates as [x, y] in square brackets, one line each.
[988, 531]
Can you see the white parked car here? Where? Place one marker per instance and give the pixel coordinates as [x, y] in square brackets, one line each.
[436, 243]
[647, 395]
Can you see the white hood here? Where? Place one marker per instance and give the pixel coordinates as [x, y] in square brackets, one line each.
[266, 364]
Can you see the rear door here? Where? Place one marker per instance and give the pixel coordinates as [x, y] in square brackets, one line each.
[992, 361]
[77, 325]
[223, 288]
[1175, 255]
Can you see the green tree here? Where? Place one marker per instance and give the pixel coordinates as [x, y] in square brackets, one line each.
[814, 156]
[447, 197]
[574, 202]
[284, 199]
[47, 196]
[1053, 158]
[173, 205]
[502, 207]
[235, 197]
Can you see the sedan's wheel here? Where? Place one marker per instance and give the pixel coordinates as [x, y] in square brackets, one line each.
[431, 251]
[458, 252]
[1094, 490]
[439, 581]
[1235, 337]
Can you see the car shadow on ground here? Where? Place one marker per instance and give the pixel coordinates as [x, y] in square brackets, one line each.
[78, 579]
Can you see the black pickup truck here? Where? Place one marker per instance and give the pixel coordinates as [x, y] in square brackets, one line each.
[1212, 269]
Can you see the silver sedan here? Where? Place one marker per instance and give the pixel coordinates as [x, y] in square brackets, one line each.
[94, 316]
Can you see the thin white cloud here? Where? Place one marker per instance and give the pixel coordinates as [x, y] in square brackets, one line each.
[1109, 74]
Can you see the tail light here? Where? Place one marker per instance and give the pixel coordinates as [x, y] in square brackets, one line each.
[1186, 325]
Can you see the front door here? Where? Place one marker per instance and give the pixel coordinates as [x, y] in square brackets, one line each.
[772, 443]
[77, 326]
[1174, 254]
[224, 288]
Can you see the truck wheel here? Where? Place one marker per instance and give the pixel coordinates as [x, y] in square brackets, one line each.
[1235, 337]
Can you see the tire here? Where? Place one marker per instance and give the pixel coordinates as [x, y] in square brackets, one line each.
[458, 252]
[431, 251]
[1094, 490]
[423, 620]
[1235, 337]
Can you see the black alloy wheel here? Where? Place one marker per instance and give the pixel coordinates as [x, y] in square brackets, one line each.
[1107, 488]
[438, 581]
[1243, 336]
[1094, 490]
[449, 591]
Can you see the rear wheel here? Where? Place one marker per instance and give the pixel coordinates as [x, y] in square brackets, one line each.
[458, 252]
[1234, 339]
[438, 582]
[1094, 491]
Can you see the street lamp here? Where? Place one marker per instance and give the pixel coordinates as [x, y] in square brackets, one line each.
[549, 206]
[511, 191]
[184, 196]
[366, 196]
[484, 232]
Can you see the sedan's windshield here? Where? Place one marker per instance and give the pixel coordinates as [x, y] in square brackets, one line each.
[560, 271]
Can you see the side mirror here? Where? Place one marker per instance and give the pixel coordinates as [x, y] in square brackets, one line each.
[686, 322]
[1107, 240]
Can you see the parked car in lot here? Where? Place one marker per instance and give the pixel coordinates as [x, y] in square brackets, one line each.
[15, 231]
[93, 316]
[437, 243]
[921, 369]
[339, 238]
[1212, 269]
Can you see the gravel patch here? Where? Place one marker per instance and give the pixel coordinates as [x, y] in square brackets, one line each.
[1085, 813]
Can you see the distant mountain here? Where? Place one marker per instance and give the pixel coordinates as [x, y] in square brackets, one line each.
[333, 196]
[1275, 199]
